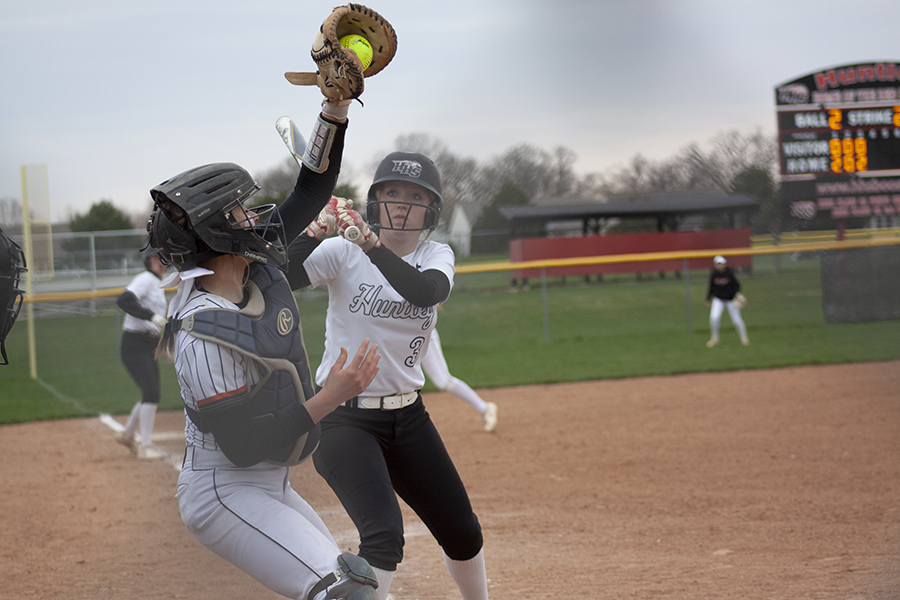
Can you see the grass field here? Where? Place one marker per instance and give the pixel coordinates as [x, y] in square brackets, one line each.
[494, 336]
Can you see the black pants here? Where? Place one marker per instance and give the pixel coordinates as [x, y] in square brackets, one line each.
[366, 455]
[138, 352]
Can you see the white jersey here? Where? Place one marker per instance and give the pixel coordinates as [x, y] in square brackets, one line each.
[362, 304]
[145, 287]
[206, 369]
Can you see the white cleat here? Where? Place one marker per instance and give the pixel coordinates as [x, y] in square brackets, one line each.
[489, 416]
[150, 453]
[128, 441]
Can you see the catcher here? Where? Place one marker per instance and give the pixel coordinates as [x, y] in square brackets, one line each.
[724, 291]
[12, 265]
[233, 333]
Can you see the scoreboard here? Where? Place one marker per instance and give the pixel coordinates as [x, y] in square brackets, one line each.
[839, 141]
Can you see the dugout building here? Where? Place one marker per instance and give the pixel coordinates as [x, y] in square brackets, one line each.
[662, 222]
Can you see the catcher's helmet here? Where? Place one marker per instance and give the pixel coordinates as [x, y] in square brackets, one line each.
[192, 219]
[406, 166]
[12, 265]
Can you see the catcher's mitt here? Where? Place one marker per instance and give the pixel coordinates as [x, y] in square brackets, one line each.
[340, 71]
[740, 300]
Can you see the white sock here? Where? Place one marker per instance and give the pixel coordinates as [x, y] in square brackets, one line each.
[148, 416]
[384, 582]
[461, 389]
[469, 575]
[133, 420]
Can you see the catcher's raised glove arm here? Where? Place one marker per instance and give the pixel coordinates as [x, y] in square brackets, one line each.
[340, 71]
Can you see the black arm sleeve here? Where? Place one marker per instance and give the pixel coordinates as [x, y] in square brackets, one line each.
[128, 302]
[312, 190]
[247, 440]
[298, 252]
[420, 288]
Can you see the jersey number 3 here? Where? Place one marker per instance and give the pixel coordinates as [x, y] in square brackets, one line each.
[416, 347]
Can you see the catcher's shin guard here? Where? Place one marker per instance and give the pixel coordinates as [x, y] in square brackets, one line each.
[353, 580]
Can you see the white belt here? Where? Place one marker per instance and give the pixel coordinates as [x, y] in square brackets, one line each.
[383, 402]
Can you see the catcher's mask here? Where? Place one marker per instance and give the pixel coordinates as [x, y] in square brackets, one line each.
[414, 168]
[12, 265]
[200, 214]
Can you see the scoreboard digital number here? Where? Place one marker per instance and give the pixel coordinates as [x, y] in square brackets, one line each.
[839, 141]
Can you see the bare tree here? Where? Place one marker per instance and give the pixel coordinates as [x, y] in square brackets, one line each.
[692, 168]
[10, 211]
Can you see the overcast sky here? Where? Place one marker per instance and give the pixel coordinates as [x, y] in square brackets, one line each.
[115, 96]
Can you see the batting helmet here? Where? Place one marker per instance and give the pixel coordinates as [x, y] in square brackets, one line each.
[412, 167]
[12, 265]
[193, 219]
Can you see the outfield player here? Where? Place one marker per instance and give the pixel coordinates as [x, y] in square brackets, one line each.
[723, 288]
[386, 286]
[243, 371]
[435, 366]
[144, 303]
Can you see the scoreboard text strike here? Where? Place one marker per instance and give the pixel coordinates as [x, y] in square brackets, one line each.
[839, 141]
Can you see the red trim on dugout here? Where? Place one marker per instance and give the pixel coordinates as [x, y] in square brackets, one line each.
[629, 243]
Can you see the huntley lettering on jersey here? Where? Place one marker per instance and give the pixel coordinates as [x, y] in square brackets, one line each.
[371, 305]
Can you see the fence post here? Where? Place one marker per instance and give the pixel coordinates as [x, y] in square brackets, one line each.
[687, 294]
[545, 303]
[93, 249]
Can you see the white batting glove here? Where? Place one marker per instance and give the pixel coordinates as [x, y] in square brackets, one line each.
[325, 224]
[159, 321]
[353, 229]
[336, 110]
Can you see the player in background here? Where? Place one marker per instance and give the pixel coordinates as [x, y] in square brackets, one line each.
[723, 288]
[244, 374]
[386, 286]
[435, 366]
[12, 266]
[144, 304]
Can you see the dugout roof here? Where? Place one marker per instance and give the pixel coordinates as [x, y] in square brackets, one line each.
[664, 207]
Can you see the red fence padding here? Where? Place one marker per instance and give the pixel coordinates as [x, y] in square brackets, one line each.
[628, 243]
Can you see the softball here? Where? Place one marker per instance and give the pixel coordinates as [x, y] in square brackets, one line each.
[360, 45]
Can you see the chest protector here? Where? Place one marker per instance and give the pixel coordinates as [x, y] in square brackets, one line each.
[267, 331]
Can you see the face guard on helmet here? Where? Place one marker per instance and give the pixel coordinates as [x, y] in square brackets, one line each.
[12, 265]
[200, 214]
[411, 167]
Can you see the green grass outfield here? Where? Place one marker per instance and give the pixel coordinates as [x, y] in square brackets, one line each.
[494, 336]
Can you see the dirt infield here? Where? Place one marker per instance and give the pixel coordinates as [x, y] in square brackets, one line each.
[755, 484]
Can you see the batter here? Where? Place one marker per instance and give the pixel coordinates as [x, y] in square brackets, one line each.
[386, 286]
[144, 304]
